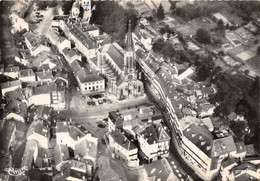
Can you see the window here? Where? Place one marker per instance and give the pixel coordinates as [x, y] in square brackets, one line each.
[97, 86]
[93, 82]
[86, 88]
[100, 86]
[89, 88]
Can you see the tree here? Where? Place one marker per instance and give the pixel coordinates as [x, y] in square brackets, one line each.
[203, 36]
[160, 12]
[258, 50]
[220, 24]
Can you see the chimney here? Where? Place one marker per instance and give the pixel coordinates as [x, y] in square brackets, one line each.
[193, 135]
[208, 147]
[200, 137]
[203, 143]
[223, 146]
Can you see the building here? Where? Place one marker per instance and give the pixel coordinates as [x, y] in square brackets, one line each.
[119, 67]
[145, 34]
[16, 110]
[154, 143]
[51, 95]
[30, 154]
[43, 113]
[71, 55]
[61, 155]
[59, 41]
[68, 134]
[105, 172]
[90, 83]
[45, 76]
[18, 23]
[7, 135]
[10, 86]
[34, 44]
[123, 148]
[44, 59]
[27, 75]
[12, 71]
[39, 132]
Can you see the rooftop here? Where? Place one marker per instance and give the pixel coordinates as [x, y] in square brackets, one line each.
[6, 133]
[11, 84]
[122, 140]
[44, 75]
[38, 127]
[17, 107]
[223, 146]
[26, 73]
[61, 153]
[28, 155]
[85, 76]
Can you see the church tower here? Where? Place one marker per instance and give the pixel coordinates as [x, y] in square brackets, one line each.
[129, 57]
[86, 4]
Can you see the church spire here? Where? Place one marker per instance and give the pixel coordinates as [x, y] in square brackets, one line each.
[129, 40]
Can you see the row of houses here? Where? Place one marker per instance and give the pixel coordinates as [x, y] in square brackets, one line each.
[189, 111]
[89, 82]
[138, 133]
[57, 150]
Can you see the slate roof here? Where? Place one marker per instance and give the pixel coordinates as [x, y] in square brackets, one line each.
[43, 112]
[240, 147]
[200, 136]
[122, 140]
[87, 147]
[85, 76]
[28, 155]
[6, 133]
[12, 69]
[223, 146]
[39, 128]
[17, 107]
[105, 172]
[14, 95]
[61, 153]
[116, 54]
[26, 73]
[76, 65]
[44, 75]
[33, 40]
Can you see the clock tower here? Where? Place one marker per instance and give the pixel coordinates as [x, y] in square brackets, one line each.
[129, 57]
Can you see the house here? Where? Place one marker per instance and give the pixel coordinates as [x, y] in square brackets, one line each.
[18, 24]
[59, 41]
[123, 148]
[71, 55]
[44, 76]
[27, 75]
[208, 123]
[205, 110]
[145, 33]
[105, 172]
[76, 65]
[226, 166]
[87, 148]
[72, 170]
[39, 132]
[219, 16]
[34, 44]
[63, 43]
[12, 71]
[16, 110]
[75, 9]
[61, 78]
[43, 113]
[44, 59]
[10, 86]
[90, 83]
[17, 94]
[30, 154]
[61, 155]
[68, 134]
[241, 150]
[154, 143]
[8, 135]
[52, 95]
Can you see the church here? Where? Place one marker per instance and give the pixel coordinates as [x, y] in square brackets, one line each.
[118, 65]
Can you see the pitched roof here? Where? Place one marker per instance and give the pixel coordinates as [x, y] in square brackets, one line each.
[17, 107]
[105, 172]
[76, 65]
[43, 112]
[85, 76]
[14, 95]
[12, 69]
[200, 136]
[27, 160]
[122, 140]
[6, 133]
[240, 147]
[61, 153]
[223, 146]
[39, 128]
[162, 134]
[33, 40]
[116, 54]
[87, 147]
[44, 75]
[26, 73]
[11, 84]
